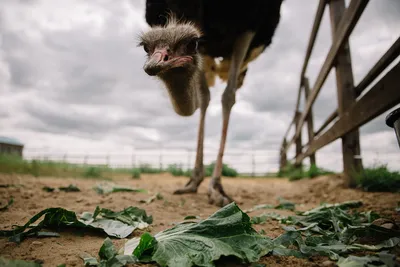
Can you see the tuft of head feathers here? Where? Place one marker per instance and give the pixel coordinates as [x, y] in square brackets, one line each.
[172, 33]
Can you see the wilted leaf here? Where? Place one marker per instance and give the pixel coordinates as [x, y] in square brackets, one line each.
[18, 263]
[48, 188]
[108, 257]
[382, 259]
[260, 207]
[157, 196]
[88, 260]
[70, 188]
[227, 232]
[117, 224]
[259, 219]
[107, 250]
[343, 206]
[283, 205]
[130, 215]
[191, 217]
[10, 202]
[107, 188]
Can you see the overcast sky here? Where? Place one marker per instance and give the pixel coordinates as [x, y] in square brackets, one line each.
[71, 81]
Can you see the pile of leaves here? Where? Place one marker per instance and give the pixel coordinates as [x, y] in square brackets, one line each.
[334, 230]
[117, 224]
[338, 231]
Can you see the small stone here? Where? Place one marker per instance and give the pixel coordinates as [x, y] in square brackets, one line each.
[328, 263]
[388, 226]
[37, 243]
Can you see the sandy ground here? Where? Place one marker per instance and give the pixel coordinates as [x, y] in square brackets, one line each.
[29, 199]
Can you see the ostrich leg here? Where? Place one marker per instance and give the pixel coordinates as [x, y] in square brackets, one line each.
[216, 194]
[198, 171]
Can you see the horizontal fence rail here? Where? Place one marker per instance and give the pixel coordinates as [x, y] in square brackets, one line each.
[246, 162]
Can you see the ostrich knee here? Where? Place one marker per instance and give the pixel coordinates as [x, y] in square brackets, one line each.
[228, 99]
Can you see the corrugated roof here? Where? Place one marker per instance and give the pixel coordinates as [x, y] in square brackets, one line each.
[10, 141]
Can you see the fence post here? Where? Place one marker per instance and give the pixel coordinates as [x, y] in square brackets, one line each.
[133, 158]
[161, 160]
[298, 140]
[346, 96]
[310, 120]
[253, 165]
[189, 160]
[283, 159]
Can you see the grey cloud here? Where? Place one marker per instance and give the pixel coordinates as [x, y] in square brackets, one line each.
[21, 72]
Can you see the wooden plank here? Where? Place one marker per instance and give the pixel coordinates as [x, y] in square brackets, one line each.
[299, 148]
[310, 120]
[311, 43]
[290, 126]
[327, 122]
[313, 37]
[390, 55]
[345, 27]
[346, 96]
[383, 96]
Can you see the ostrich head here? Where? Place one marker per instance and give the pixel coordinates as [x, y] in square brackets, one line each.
[173, 57]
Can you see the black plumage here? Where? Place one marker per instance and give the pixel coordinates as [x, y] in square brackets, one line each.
[221, 21]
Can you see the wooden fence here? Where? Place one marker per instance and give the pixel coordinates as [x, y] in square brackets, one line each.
[354, 109]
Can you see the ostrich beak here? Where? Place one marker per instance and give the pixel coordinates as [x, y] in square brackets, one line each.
[160, 61]
[154, 64]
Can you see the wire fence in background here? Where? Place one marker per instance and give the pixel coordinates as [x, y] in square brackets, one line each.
[246, 162]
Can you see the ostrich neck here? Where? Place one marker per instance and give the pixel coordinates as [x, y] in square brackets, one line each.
[182, 85]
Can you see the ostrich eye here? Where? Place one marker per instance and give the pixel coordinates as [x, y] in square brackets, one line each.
[146, 48]
[192, 46]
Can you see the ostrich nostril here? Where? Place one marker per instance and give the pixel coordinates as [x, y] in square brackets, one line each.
[165, 58]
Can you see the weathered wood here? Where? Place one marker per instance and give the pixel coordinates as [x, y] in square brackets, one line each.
[310, 120]
[383, 96]
[345, 28]
[313, 36]
[290, 126]
[391, 54]
[311, 43]
[299, 148]
[298, 99]
[346, 96]
[331, 118]
[283, 156]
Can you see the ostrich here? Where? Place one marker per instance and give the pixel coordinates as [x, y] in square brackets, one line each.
[185, 39]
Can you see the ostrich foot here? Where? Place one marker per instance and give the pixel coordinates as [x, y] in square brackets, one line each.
[194, 183]
[217, 195]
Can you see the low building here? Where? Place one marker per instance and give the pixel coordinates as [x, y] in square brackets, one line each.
[10, 146]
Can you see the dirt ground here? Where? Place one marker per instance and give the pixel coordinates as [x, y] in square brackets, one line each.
[29, 199]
